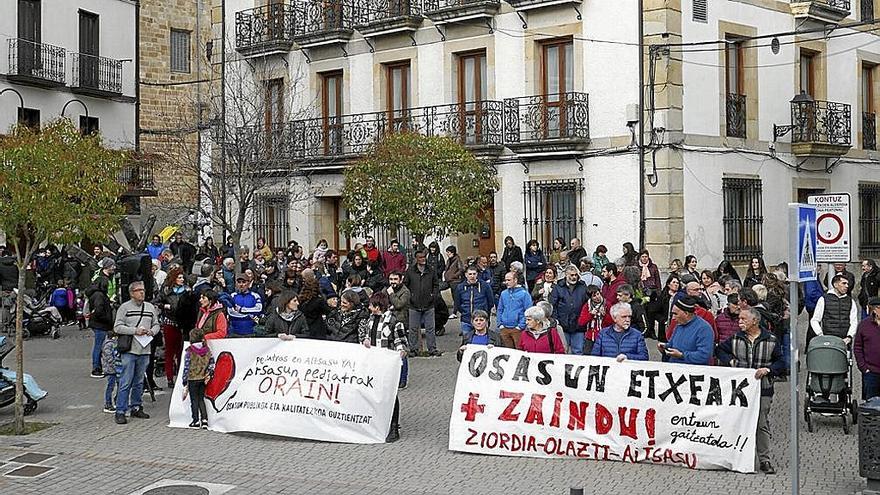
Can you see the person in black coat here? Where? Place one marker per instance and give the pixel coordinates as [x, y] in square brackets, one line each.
[345, 322]
[314, 307]
[511, 253]
[286, 318]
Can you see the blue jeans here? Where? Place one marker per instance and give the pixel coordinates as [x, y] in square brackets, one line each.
[131, 382]
[575, 342]
[100, 336]
[466, 329]
[404, 372]
[112, 380]
[870, 385]
[417, 319]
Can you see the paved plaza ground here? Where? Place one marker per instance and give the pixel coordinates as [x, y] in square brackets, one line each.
[90, 454]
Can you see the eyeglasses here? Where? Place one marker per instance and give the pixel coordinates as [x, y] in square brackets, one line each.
[137, 290]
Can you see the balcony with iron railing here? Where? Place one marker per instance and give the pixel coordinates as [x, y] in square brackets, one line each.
[820, 128]
[477, 125]
[821, 11]
[446, 11]
[261, 148]
[264, 30]
[735, 115]
[556, 122]
[869, 131]
[328, 22]
[380, 17]
[96, 76]
[136, 175]
[36, 64]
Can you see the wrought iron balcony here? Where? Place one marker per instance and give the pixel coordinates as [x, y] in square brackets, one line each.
[263, 147]
[137, 175]
[537, 4]
[325, 22]
[869, 131]
[822, 11]
[820, 128]
[445, 11]
[96, 76]
[380, 17]
[476, 125]
[735, 111]
[547, 123]
[264, 30]
[37, 64]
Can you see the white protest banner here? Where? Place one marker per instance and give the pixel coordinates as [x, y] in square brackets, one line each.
[513, 403]
[313, 389]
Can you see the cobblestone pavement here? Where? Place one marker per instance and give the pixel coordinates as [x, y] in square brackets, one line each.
[93, 455]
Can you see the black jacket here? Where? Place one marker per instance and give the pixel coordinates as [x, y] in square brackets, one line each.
[512, 254]
[276, 324]
[498, 272]
[8, 273]
[314, 310]
[100, 308]
[870, 286]
[344, 325]
[424, 287]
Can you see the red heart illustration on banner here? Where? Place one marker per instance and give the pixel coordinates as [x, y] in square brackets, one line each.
[224, 371]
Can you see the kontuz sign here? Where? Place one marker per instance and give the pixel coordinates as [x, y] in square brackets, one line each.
[833, 230]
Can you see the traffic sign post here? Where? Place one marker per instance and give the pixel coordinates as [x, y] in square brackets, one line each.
[833, 232]
[802, 262]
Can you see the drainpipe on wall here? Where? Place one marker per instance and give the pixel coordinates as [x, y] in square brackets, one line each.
[137, 75]
[641, 242]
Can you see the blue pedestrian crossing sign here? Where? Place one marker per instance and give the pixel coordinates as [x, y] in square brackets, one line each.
[804, 243]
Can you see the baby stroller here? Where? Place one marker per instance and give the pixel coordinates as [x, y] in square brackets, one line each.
[829, 381]
[39, 317]
[32, 391]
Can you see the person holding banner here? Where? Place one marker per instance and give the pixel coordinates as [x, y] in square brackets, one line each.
[539, 336]
[481, 334]
[756, 347]
[693, 341]
[381, 329]
[621, 341]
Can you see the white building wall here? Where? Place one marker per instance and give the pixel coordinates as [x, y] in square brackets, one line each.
[60, 27]
[608, 72]
[703, 115]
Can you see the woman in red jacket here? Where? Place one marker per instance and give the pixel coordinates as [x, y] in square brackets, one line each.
[539, 336]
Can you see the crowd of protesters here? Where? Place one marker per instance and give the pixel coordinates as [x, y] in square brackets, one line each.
[564, 301]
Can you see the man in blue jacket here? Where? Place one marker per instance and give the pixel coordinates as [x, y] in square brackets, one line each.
[568, 299]
[512, 307]
[695, 345]
[471, 295]
[155, 247]
[621, 341]
[245, 306]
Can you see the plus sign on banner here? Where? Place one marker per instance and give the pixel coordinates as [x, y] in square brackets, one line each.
[832, 227]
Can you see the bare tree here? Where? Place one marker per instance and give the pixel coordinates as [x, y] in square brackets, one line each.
[232, 160]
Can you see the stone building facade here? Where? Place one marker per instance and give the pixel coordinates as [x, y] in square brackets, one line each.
[177, 75]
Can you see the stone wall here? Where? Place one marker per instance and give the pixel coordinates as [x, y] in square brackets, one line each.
[171, 102]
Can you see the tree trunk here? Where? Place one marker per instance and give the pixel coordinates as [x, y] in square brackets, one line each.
[19, 348]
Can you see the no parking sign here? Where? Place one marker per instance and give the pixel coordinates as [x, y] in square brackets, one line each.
[832, 227]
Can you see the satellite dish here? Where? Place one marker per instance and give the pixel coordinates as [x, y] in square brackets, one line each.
[774, 46]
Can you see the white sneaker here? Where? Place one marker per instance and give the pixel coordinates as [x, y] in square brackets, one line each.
[453, 316]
